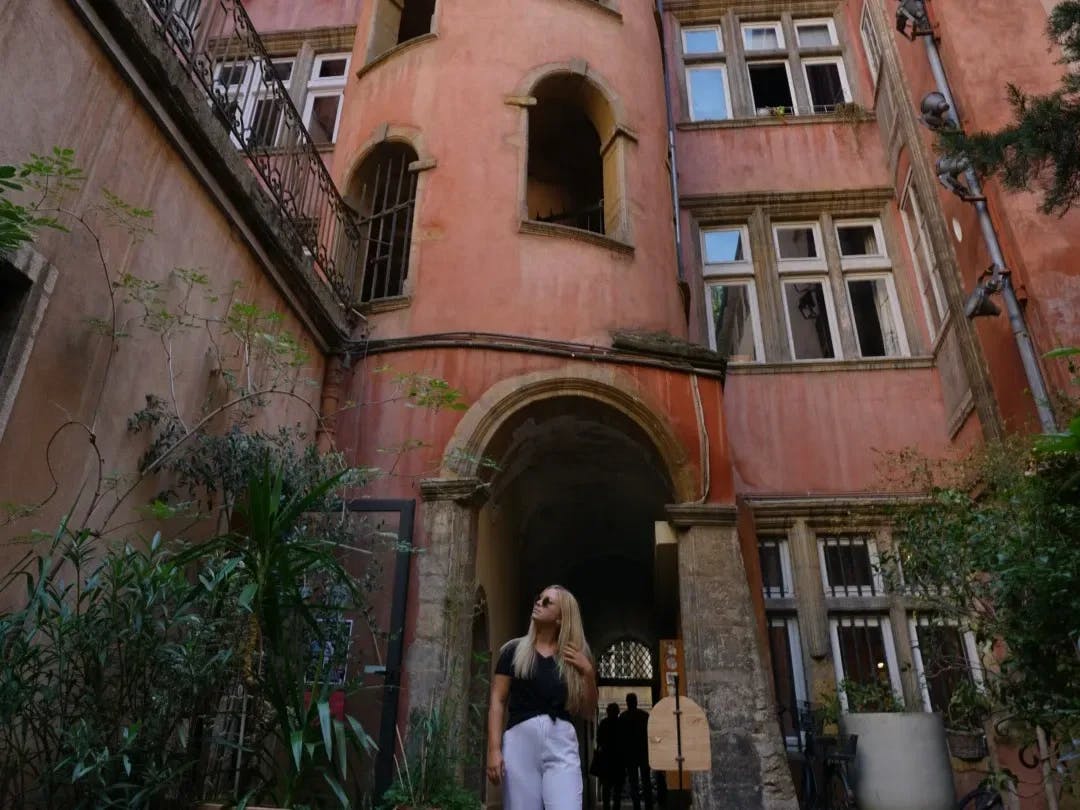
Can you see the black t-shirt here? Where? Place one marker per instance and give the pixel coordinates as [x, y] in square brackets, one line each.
[543, 693]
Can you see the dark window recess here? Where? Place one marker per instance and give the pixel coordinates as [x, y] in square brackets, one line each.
[826, 90]
[383, 194]
[566, 171]
[772, 569]
[945, 665]
[415, 19]
[862, 652]
[771, 88]
[14, 290]
[784, 675]
[864, 306]
[848, 567]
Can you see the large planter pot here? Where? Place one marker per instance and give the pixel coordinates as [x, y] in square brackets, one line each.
[901, 761]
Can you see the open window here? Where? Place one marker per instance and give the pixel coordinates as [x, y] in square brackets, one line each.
[398, 21]
[575, 157]
[383, 195]
[770, 87]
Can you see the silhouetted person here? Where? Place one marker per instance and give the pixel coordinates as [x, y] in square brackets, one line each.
[634, 739]
[608, 756]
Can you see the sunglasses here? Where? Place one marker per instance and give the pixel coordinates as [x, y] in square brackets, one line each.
[544, 601]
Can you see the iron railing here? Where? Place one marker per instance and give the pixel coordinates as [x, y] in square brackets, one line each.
[221, 50]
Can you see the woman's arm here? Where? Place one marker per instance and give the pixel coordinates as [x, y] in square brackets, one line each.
[500, 693]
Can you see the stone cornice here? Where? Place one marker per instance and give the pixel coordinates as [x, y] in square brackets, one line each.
[332, 38]
[845, 202]
[691, 11]
[817, 366]
[828, 510]
[854, 116]
[686, 515]
[463, 491]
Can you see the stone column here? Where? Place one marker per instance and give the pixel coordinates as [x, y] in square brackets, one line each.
[725, 667]
[437, 659]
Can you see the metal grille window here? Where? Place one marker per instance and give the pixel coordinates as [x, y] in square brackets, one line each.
[775, 559]
[626, 660]
[383, 194]
[863, 651]
[945, 658]
[789, 679]
[849, 566]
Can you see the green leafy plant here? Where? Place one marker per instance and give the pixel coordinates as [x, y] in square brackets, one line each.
[427, 770]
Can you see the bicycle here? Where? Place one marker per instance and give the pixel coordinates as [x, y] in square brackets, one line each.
[981, 798]
[831, 754]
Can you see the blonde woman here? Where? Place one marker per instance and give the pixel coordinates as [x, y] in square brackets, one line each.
[541, 681]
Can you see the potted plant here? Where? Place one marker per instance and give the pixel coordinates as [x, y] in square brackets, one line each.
[429, 768]
[902, 758]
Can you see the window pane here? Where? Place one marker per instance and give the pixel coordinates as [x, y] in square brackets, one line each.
[870, 42]
[283, 70]
[323, 118]
[862, 651]
[826, 89]
[770, 87]
[814, 35]
[701, 40]
[733, 321]
[264, 122]
[871, 309]
[772, 570]
[945, 665]
[707, 94]
[784, 674]
[761, 38]
[796, 243]
[848, 571]
[231, 75]
[858, 240]
[330, 68]
[808, 318]
[724, 246]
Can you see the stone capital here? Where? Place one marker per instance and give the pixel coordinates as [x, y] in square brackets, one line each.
[462, 491]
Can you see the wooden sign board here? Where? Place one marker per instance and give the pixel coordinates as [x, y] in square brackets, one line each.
[663, 746]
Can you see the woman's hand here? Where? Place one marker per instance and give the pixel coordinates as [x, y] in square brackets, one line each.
[578, 660]
[495, 768]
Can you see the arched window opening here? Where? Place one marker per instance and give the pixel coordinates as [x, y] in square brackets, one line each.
[568, 176]
[626, 660]
[383, 195]
[397, 22]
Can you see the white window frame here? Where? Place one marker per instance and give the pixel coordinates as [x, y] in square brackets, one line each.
[798, 672]
[864, 620]
[326, 87]
[816, 264]
[755, 313]
[830, 311]
[842, 591]
[971, 653]
[876, 261]
[247, 100]
[716, 29]
[829, 22]
[720, 66]
[925, 261]
[894, 309]
[871, 43]
[764, 111]
[744, 267]
[776, 26]
[826, 60]
[786, 571]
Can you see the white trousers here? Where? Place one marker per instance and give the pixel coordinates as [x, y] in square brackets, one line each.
[543, 769]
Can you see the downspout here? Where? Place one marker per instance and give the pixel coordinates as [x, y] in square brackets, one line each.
[1024, 345]
[671, 145]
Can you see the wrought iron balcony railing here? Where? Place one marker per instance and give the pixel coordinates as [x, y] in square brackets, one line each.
[222, 52]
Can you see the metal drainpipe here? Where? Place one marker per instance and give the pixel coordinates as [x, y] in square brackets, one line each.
[671, 144]
[1028, 357]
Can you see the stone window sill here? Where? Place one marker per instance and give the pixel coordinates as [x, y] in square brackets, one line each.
[384, 305]
[603, 6]
[535, 228]
[813, 366]
[862, 117]
[386, 56]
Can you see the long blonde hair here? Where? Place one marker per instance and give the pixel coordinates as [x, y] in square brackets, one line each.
[571, 631]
